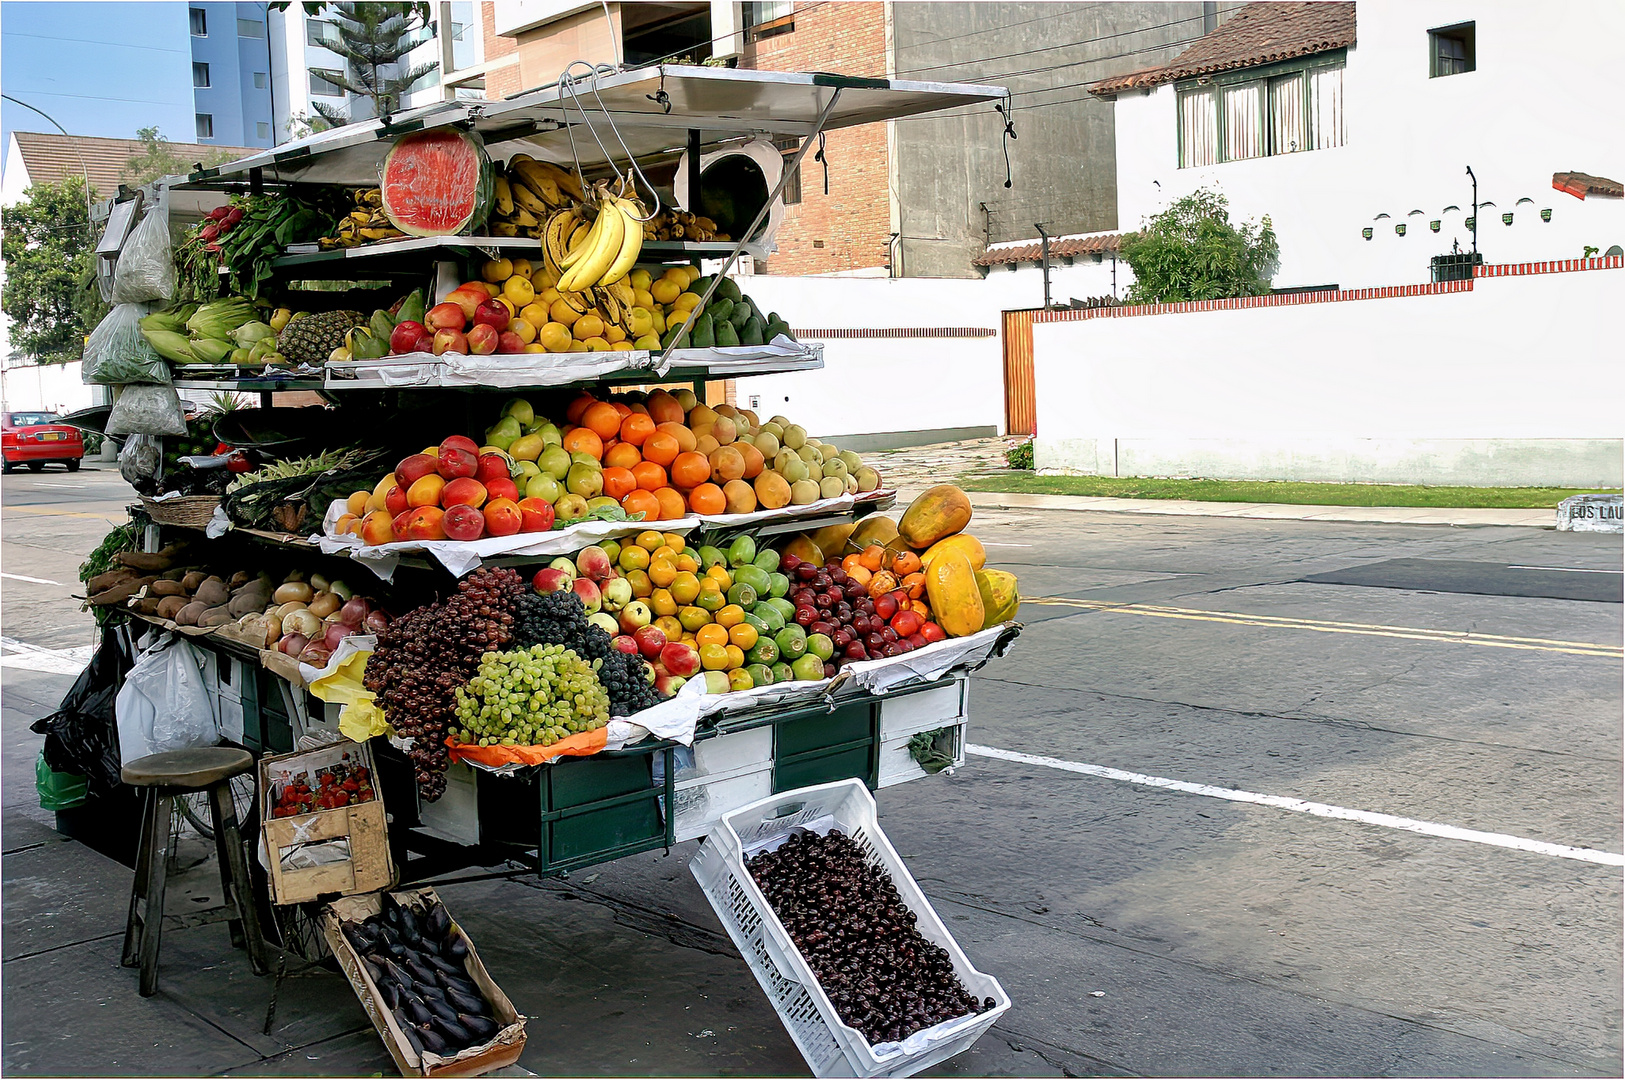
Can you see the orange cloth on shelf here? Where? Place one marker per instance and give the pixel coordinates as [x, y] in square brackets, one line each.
[581, 744]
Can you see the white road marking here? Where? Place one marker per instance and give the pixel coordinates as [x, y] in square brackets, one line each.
[68, 487]
[990, 543]
[22, 655]
[35, 580]
[1301, 806]
[1562, 569]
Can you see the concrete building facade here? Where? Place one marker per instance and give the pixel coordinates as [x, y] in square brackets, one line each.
[231, 73]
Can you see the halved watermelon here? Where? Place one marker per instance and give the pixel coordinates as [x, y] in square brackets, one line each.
[437, 183]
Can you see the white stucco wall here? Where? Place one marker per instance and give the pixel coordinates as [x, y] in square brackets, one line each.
[1505, 384]
[56, 387]
[1542, 100]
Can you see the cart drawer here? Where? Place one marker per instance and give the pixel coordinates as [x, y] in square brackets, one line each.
[857, 763]
[818, 729]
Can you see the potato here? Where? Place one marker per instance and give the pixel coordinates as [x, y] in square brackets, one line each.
[213, 592]
[193, 579]
[191, 613]
[215, 616]
[239, 579]
[170, 606]
[164, 587]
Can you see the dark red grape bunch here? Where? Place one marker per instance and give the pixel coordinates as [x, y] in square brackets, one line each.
[859, 938]
[425, 655]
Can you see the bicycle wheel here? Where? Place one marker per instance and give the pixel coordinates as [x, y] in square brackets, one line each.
[194, 807]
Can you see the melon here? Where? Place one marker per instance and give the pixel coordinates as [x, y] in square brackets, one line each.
[437, 183]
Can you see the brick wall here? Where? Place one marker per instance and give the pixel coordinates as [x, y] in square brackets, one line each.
[504, 80]
[848, 228]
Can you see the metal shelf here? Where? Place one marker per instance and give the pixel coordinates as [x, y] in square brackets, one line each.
[653, 250]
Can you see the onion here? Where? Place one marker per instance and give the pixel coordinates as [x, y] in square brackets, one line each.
[318, 582]
[293, 590]
[303, 621]
[325, 604]
[376, 620]
[341, 590]
[336, 632]
[316, 654]
[292, 644]
[281, 610]
[354, 612]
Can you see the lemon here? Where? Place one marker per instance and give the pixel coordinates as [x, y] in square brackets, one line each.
[496, 270]
[555, 337]
[642, 298]
[523, 268]
[526, 331]
[639, 278]
[563, 313]
[647, 341]
[614, 333]
[536, 346]
[519, 290]
[620, 346]
[588, 327]
[685, 301]
[665, 290]
[595, 344]
[534, 313]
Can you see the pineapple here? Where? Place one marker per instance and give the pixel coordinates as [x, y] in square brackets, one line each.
[311, 338]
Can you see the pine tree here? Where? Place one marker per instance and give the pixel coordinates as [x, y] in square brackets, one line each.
[374, 39]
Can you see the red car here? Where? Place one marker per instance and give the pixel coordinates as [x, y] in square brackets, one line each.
[35, 439]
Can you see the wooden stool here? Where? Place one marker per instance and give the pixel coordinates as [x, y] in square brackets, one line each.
[164, 776]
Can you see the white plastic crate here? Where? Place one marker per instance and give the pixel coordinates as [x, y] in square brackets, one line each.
[701, 802]
[923, 710]
[830, 1047]
[897, 764]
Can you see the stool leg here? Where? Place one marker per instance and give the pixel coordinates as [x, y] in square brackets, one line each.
[138, 886]
[152, 920]
[245, 928]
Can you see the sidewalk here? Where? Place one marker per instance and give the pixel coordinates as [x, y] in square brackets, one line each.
[1398, 515]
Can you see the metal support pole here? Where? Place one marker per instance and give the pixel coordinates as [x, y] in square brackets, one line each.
[693, 170]
[1044, 236]
[1475, 210]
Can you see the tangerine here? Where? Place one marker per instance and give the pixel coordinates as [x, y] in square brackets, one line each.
[686, 440]
[577, 407]
[604, 420]
[582, 440]
[619, 482]
[621, 456]
[638, 501]
[707, 498]
[672, 507]
[622, 409]
[712, 634]
[636, 428]
[650, 477]
[661, 448]
[690, 470]
[743, 634]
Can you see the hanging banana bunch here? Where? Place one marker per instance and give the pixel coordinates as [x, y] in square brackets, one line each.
[681, 225]
[363, 225]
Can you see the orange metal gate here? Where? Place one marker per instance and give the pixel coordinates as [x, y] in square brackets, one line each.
[1020, 390]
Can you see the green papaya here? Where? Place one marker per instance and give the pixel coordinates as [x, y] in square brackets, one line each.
[774, 328]
[719, 310]
[741, 314]
[671, 335]
[752, 333]
[381, 324]
[704, 337]
[411, 308]
[728, 289]
[727, 337]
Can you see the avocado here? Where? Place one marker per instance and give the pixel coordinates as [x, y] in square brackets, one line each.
[741, 313]
[671, 334]
[719, 310]
[704, 336]
[728, 289]
[727, 337]
[698, 286]
[752, 333]
[775, 328]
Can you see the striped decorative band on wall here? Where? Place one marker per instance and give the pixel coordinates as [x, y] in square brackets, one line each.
[1558, 266]
[1243, 302]
[899, 332]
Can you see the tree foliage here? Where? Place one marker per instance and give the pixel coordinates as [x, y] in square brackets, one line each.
[50, 294]
[374, 39]
[158, 158]
[1191, 251]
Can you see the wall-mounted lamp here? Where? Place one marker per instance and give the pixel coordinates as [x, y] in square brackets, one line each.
[1506, 218]
[1366, 232]
[1470, 223]
[1399, 230]
[1434, 225]
[1546, 214]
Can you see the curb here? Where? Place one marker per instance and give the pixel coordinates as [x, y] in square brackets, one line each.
[1386, 515]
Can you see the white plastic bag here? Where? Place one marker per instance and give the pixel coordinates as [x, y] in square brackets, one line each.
[163, 704]
[116, 352]
[146, 268]
[143, 409]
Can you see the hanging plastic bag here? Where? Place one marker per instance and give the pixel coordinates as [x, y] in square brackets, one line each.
[117, 352]
[141, 462]
[146, 266]
[164, 705]
[147, 410]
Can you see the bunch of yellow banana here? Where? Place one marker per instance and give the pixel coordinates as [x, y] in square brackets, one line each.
[681, 225]
[607, 251]
[366, 223]
[528, 193]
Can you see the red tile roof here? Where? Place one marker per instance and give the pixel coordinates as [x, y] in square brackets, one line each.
[1581, 184]
[1064, 247]
[49, 158]
[1257, 34]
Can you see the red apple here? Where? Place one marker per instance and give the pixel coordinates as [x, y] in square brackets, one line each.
[932, 632]
[424, 343]
[536, 514]
[460, 442]
[482, 339]
[549, 580]
[441, 317]
[502, 517]
[395, 500]
[592, 600]
[503, 488]
[397, 524]
[492, 313]
[635, 615]
[667, 685]
[455, 462]
[414, 468]
[463, 491]
[446, 341]
[510, 342]
[404, 338]
[625, 644]
[425, 523]
[493, 467]
[680, 658]
[465, 299]
[651, 639]
[463, 521]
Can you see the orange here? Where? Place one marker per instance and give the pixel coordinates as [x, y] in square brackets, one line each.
[650, 477]
[577, 407]
[664, 408]
[754, 462]
[685, 438]
[736, 656]
[602, 418]
[661, 603]
[621, 456]
[662, 571]
[850, 561]
[622, 409]
[661, 448]
[688, 564]
[636, 428]
[619, 482]
[672, 507]
[690, 470]
[731, 616]
[642, 502]
[727, 464]
[640, 408]
[711, 635]
[582, 440]
[742, 634]
[871, 558]
[707, 498]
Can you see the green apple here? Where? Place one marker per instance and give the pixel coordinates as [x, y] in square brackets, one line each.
[792, 641]
[808, 668]
[821, 646]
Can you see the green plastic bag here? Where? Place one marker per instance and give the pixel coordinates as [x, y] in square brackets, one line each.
[57, 791]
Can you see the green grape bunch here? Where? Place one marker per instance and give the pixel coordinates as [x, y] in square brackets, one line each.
[530, 697]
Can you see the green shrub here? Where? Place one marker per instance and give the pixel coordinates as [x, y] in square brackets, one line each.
[1019, 457]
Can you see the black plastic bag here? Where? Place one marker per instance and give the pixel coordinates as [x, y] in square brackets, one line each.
[82, 735]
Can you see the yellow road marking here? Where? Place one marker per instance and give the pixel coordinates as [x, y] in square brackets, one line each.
[1412, 633]
[58, 513]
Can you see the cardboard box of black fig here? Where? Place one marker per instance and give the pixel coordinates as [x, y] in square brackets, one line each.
[323, 823]
[500, 1051]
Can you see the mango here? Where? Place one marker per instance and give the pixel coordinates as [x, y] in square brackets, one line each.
[833, 537]
[938, 513]
[803, 548]
[956, 601]
[1001, 596]
[874, 529]
[963, 542]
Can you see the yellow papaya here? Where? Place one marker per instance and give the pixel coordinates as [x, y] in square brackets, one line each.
[1000, 596]
[804, 548]
[832, 538]
[939, 512]
[956, 601]
[965, 542]
[874, 529]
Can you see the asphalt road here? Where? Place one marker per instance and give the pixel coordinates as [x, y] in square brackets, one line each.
[1218, 820]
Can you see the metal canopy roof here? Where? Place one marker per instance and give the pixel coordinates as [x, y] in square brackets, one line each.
[721, 103]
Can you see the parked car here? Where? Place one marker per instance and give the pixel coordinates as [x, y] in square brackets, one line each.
[35, 439]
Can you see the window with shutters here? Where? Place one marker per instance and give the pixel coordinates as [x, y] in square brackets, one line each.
[200, 75]
[1451, 50]
[205, 125]
[200, 22]
[1262, 112]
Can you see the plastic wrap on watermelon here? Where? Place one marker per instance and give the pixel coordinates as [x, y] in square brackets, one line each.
[438, 183]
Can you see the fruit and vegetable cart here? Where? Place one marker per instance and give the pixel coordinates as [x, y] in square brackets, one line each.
[514, 569]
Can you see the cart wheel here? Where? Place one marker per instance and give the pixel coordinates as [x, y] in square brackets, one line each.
[195, 807]
[6, 466]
